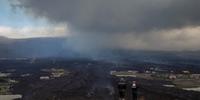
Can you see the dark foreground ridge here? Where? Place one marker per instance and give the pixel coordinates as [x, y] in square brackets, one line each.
[83, 80]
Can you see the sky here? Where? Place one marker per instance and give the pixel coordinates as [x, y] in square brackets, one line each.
[96, 24]
[15, 23]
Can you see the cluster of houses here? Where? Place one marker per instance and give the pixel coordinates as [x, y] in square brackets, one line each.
[183, 75]
[53, 73]
[4, 74]
[5, 86]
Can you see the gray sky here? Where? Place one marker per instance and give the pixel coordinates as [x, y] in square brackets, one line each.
[129, 24]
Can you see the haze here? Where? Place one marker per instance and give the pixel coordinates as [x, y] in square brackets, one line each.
[92, 25]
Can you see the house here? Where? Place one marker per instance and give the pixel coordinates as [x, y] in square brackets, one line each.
[44, 78]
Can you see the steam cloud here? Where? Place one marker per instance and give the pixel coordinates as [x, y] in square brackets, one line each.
[131, 24]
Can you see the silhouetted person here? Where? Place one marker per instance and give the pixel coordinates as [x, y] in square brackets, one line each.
[122, 89]
[134, 91]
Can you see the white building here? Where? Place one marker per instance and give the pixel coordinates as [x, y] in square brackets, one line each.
[44, 78]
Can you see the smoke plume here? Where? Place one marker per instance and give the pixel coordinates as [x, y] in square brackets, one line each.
[126, 24]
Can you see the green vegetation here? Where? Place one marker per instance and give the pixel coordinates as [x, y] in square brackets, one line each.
[124, 73]
[4, 88]
[187, 83]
